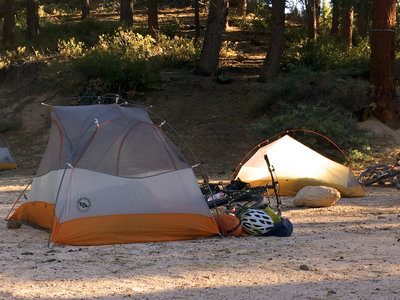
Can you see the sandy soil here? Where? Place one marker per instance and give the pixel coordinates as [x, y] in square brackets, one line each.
[349, 251]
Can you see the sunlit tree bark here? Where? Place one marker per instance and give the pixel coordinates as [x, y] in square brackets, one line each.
[311, 17]
[382, 61]
[346, 26]
[317, 12]
[272, 60]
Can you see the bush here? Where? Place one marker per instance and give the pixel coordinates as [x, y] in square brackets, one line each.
[337, 126]
[111, 72]
[126, 60]
[258, 18]
[327, 54]
[17, 57]
[319, 101]
[87, 31]
[71, 48]
[335, 89]
[172, 28]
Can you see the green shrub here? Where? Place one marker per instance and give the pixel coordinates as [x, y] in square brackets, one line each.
[172, 28]
[258, 18]
[335, 89]
[166, 51]
[126, 60]
[71, 48]
[327, 54]
[253, 23]
[319, 101]
[51, 32]
[17, 57]
[336, 125]
[115, 73]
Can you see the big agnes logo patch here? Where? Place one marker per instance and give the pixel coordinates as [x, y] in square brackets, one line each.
[83, 204]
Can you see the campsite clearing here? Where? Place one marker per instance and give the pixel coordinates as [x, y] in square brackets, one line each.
[348, 251]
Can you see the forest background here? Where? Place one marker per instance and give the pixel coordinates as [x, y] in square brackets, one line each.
[226, 75]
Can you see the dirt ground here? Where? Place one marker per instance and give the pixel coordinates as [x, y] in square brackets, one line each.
[348, 251]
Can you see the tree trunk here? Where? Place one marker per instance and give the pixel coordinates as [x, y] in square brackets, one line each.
[335, 17]
[196, 21]
[85, 9]
[126, 12]
[227, 15]
[209, 57]
[362, 24]
[311, 17]
[272, 61]
[242, 8]
[153, 17]
[32, 18]
[317, 13]
[9, 23]
[363, 10]
[346, 27]
[382, 61]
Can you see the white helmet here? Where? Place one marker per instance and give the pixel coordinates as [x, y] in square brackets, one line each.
[256, 221]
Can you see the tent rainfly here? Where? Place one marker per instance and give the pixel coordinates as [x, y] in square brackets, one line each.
[109, 175]
[6, 160]
[297, 166]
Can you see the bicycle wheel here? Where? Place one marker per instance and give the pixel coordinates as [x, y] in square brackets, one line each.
[218, 202]
[250, 200]
[373, 174]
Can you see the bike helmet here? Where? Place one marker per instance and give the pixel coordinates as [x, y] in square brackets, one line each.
[256, 221]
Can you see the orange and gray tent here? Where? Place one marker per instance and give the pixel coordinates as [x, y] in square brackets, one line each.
[109, 175]
[297, 166]
[6, 160]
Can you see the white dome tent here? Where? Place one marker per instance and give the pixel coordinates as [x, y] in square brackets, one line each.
[124, 182]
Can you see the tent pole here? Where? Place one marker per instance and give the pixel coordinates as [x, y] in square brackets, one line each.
[55, 203]
[19, 197]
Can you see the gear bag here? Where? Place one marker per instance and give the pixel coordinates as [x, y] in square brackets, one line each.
[283, 229]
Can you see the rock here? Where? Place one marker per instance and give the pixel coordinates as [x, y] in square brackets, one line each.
[331, 292]
[12, 224]
[304, 268]
[316, 196]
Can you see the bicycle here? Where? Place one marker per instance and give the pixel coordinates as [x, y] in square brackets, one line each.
[239, 195]
[236, 192]
[381, 173]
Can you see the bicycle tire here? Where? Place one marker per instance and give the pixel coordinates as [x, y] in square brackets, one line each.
[373, 174]
[218, 202]
[250, 200]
